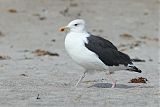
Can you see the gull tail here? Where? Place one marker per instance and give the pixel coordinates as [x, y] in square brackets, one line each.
[134, 68]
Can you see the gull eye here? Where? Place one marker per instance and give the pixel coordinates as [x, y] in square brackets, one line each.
[75, 24]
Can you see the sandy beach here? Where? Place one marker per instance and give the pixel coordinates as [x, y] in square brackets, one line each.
[36, 71]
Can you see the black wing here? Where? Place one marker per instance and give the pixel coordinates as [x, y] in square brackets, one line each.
[99, 41]
[107, 52]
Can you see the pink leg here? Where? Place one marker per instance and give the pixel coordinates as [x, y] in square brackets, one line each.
[113, 81]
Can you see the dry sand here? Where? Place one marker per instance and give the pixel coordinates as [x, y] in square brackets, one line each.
[28, 25]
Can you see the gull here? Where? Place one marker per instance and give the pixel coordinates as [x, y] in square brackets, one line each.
[94, 53]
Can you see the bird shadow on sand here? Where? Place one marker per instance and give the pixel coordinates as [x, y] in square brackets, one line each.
[108, 85]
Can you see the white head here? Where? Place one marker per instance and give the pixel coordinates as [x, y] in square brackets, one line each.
[77, 25]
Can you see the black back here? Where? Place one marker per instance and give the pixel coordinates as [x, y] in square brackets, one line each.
[101, 42]
[107, 52]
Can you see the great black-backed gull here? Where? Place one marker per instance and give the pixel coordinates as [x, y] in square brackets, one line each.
[93, 52]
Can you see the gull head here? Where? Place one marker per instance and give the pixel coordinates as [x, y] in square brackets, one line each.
[77, 25]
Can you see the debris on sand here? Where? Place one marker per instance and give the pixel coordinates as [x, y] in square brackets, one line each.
[25, 75]
[138, 80]
[150, 60]
[12, 10]
[36, 14]
[78, 98]
[40, 52]
[100, 30]
[149, 38]
[24, 50]
[79, 14]
[89, 81]
[4, 57]
[136, 43]
[126, 35]
[146, 13]
[1, 34]
[53, 40]
[73, 4]
[65, 11]
[40, 17]
[38, 97]
[124, 49]
[138, 60]
[132, 45]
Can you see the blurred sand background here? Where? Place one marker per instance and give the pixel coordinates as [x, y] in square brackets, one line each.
[28, 25]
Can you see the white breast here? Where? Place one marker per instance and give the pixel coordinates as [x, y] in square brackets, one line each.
[75, 46]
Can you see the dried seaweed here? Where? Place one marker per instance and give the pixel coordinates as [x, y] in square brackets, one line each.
[138, 80]
[40, 52]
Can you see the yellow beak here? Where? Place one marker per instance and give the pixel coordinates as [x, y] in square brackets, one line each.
[63, 29]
